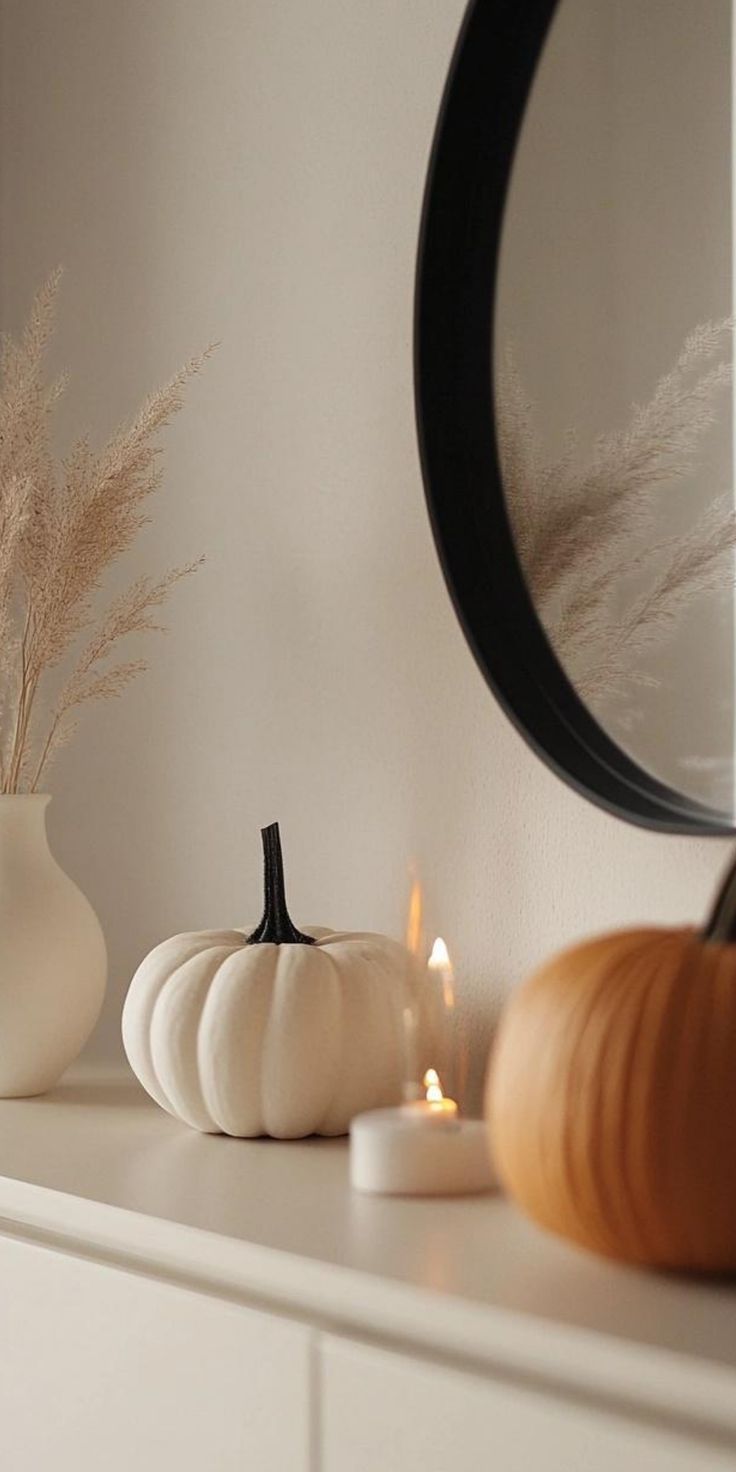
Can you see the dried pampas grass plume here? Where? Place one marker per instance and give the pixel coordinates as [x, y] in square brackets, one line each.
[61, 528]
[580, 530]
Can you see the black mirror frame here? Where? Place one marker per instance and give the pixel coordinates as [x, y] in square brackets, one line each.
[472, 155]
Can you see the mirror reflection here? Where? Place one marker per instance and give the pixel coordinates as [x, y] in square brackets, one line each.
[613, 348]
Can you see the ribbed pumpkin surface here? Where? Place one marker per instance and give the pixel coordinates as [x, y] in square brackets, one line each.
[612, 1098]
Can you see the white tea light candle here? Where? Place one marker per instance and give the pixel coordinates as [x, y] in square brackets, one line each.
[420, 1149]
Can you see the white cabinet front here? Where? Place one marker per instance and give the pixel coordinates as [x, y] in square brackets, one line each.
[108, 1371]
[386, 1412]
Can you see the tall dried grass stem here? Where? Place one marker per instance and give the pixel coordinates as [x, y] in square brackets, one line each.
[61, 529]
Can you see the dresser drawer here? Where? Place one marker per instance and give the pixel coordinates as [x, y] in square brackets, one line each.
[103, 1369]
[384, 1412]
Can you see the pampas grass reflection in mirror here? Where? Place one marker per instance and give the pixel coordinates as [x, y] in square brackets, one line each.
[581, 529]
[61, 528]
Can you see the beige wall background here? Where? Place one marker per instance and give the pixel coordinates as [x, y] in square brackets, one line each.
[252, 171]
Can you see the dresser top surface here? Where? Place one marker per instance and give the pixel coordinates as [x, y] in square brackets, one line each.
[104, 1141]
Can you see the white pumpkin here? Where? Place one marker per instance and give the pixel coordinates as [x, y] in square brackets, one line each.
[256, 1035]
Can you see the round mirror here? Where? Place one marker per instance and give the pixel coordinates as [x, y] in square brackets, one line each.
[574, 388]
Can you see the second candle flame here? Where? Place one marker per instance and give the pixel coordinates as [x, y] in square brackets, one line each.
[440, 965]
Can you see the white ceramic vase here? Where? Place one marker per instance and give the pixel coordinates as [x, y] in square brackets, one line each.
[53, 963]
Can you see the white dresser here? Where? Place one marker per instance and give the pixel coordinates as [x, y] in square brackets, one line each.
[185, 1303]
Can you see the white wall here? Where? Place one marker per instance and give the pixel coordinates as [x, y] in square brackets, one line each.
[252, 171]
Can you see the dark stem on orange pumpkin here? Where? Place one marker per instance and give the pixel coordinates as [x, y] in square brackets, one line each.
[276, 927]
[721, 924]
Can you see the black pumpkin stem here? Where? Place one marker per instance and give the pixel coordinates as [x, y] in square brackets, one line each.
[721, 924]
[276, 927]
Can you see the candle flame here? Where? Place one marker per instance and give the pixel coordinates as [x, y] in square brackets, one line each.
[439, 961]
[439, 955]
[414, 920]
[432, 1086]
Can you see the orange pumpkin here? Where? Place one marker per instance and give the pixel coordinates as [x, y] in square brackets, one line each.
[612, 1095]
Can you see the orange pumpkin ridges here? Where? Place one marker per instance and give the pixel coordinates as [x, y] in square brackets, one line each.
[611, 1095]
